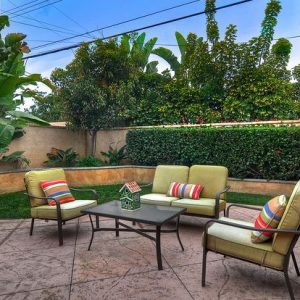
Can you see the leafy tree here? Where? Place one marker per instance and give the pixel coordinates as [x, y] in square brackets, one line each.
[14, 88]
[93, 88]
[48, 109]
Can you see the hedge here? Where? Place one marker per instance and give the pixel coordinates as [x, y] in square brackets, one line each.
[252, 152]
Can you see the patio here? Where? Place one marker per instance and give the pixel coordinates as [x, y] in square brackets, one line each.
[37, 268]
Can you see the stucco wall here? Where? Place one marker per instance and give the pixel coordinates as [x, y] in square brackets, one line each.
[38, 141]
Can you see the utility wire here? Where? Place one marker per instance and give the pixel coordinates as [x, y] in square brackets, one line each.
[37, 8]
[41, 27]
[119, 23]
[71, 19]
[139, 29]
[17, 7]
[43, 22]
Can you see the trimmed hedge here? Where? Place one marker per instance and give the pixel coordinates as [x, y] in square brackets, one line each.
[252, 152]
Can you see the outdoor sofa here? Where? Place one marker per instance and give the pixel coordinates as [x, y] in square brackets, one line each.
[212, 198]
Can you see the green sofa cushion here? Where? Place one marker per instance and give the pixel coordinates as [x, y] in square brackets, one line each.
[203, 206]
[213, 178]
[165, 175]
[157, 199]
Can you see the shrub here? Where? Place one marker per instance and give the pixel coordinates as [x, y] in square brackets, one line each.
[61, 158]
[89, 161]
[253, 152]
[114, 155]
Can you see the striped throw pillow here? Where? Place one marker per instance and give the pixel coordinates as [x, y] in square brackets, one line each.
[269, 217]
[57, 189]
[185, 190]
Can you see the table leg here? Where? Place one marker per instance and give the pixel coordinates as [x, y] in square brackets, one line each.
[92, 237]
[158, 249]
[177, 232]
[117, 226]
[97, 222]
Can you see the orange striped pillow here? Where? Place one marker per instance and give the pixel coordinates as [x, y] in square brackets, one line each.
[57, 189]
[185, 190]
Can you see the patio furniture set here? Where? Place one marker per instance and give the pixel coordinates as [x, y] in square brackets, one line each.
[173, 194]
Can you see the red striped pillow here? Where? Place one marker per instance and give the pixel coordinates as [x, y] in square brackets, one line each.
[57, 189]
[185, 190]
[269, 217]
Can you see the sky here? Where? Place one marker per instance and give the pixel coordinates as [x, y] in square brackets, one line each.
[70, 17]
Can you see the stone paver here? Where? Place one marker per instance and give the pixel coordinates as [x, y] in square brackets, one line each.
[126, 268]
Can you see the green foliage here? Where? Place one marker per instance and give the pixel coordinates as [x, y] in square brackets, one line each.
[17, 158]
[61, 158]
[114, 156]
[89, 161]
[13, 90]
[252, 152]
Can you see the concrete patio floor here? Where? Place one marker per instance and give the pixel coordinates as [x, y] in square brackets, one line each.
[126, 268]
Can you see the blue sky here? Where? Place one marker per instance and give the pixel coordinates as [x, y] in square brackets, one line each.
[81, 16]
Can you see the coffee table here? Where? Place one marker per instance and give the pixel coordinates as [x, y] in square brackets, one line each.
[147, 214]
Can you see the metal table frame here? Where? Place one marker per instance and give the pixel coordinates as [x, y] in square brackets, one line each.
[141, 231]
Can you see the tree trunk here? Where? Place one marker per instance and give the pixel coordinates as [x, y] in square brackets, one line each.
[94, 142]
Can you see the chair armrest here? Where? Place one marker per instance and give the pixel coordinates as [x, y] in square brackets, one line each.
[297, 232]
[58, 209]
[145, 185]
[94, 192]
[241, 205]
[218, 195]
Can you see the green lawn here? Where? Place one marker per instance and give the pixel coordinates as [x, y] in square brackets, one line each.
[15, 205]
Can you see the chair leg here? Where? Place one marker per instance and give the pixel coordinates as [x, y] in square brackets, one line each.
[31, 227]
[289, 286]
[60, 233]
[295, 263]
[204, 266]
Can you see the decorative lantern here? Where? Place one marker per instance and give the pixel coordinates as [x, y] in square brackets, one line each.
[130, 196]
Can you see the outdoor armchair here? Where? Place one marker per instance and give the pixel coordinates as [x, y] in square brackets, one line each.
[232, 238]
[61, 212]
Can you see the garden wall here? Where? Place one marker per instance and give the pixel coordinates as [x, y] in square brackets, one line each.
[38, 141]
[12, 181]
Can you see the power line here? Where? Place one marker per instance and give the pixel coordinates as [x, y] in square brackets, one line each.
[139, 29]
[119, 23]
[39, 7]
[41, 27]
[71, 19]
[17, 7]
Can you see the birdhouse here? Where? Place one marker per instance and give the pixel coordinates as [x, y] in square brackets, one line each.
[130, 196]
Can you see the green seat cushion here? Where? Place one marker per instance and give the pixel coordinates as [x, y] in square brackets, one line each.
[165, 175]
[213, 178]
[68, 210]
[157, 199]
[203, 206]
[236, 242]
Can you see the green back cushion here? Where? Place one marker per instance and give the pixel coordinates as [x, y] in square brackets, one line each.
[213, 178]
[290, 220]
[165, 175]
[33, 181]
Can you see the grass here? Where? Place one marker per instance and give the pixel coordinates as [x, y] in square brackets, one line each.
[16, 205]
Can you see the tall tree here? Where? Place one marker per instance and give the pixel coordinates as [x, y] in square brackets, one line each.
[94, 86]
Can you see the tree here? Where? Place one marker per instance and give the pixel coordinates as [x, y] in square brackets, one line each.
[14, 87]
[93, 88]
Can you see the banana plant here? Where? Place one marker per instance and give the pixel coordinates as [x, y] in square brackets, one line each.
[14, 87]
[140, 51]
[170, 57]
